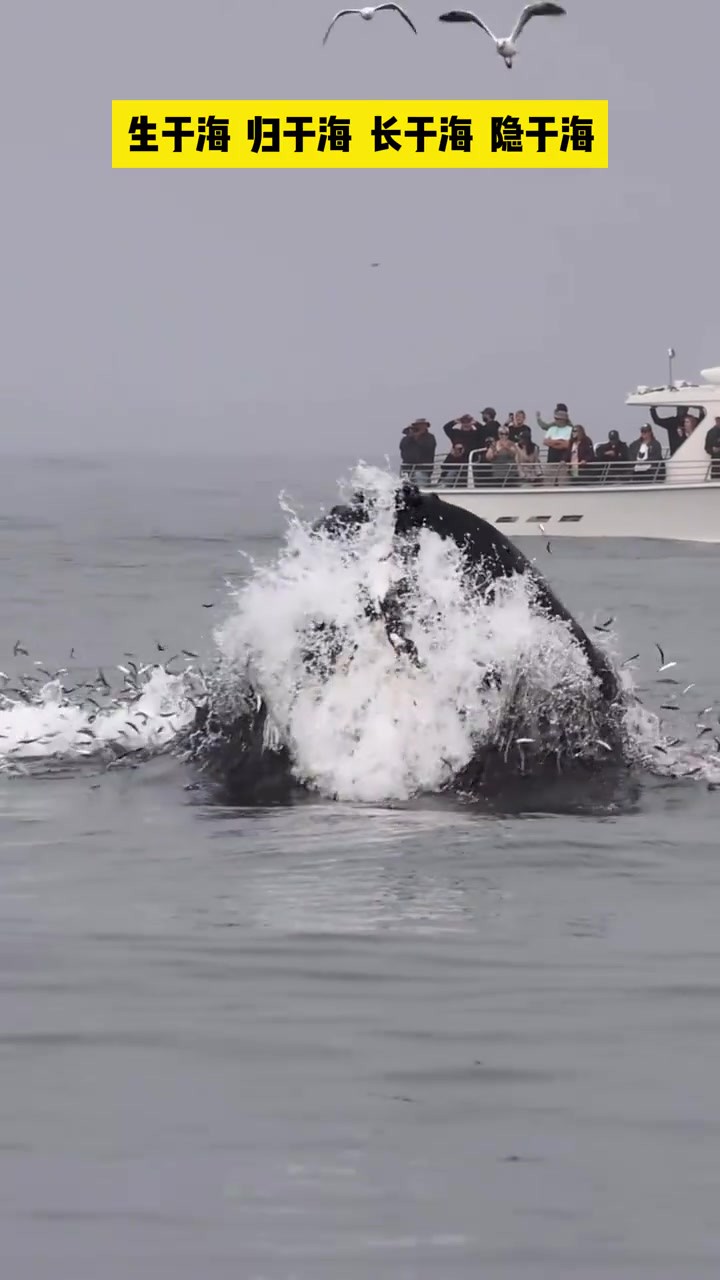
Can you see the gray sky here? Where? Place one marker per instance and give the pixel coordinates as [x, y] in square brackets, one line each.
[237, 310]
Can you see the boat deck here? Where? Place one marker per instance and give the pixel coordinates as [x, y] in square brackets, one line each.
[447, 474]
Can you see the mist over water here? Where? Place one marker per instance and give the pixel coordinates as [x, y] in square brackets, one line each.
[357, 1037]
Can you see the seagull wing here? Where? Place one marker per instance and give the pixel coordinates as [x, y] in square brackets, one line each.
[465, 15]
[397, 9]
[544, 9]
[340, 14]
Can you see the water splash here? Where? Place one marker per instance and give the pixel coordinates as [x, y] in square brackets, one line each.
[355, 718]
[48, 724]
[357, 721]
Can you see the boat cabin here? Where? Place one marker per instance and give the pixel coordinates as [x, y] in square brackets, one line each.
[686, 459]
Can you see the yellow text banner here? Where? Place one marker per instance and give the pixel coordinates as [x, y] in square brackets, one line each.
[458, 134]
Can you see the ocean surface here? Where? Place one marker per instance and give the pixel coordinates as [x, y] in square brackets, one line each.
[340, 1041]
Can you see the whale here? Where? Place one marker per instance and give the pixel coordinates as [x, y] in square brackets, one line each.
[232, 738]
[489, 556]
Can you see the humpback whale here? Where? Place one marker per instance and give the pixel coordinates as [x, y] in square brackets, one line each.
[489, 556]
[233, 738]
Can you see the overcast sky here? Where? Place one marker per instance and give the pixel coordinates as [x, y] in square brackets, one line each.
[238, 310]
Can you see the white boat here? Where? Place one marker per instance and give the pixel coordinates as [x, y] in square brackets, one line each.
[682, 505]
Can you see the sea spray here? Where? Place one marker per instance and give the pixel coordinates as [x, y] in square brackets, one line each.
[374, 725]
[307, 682]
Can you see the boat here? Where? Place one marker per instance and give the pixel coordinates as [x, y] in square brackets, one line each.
[681, 503]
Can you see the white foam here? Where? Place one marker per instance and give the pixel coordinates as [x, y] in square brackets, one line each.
[377, 728]
[54, 727]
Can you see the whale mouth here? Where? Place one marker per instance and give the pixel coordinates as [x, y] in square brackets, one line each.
[248, 758]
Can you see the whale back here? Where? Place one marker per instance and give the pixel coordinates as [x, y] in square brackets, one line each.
[492, 555]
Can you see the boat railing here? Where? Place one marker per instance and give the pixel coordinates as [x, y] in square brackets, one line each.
[446, 473]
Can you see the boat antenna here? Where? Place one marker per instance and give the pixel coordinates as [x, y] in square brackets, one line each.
[671, 357]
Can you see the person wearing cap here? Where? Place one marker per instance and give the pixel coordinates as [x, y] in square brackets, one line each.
[417, 450]
[613, 450]
[712, 449]
[488, 431]
[558, 434]
[464, 431]
[472, 435]
[489, 424]
[646, 453]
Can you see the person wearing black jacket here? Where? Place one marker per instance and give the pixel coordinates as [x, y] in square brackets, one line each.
[712, 448]
[646, 455]
[518, 426]
[489, 426]
[417, 450]
[474, 435]
[612, 450]
[464, 431]
[673, 425]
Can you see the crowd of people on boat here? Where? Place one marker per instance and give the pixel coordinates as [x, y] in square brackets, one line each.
[507, 454]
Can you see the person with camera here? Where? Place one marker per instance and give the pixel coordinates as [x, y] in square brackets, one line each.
[417, 450]
[464, 431]
[454, 471]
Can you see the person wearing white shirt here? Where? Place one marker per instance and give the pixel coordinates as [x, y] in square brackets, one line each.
[558, 434]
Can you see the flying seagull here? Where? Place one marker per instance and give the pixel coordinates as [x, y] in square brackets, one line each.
[506, 46]
[367, 13]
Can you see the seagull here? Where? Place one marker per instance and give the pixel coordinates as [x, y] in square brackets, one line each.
[506, 45]
[367, 13]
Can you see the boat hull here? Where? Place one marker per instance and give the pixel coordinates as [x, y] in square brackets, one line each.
[667, 512]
